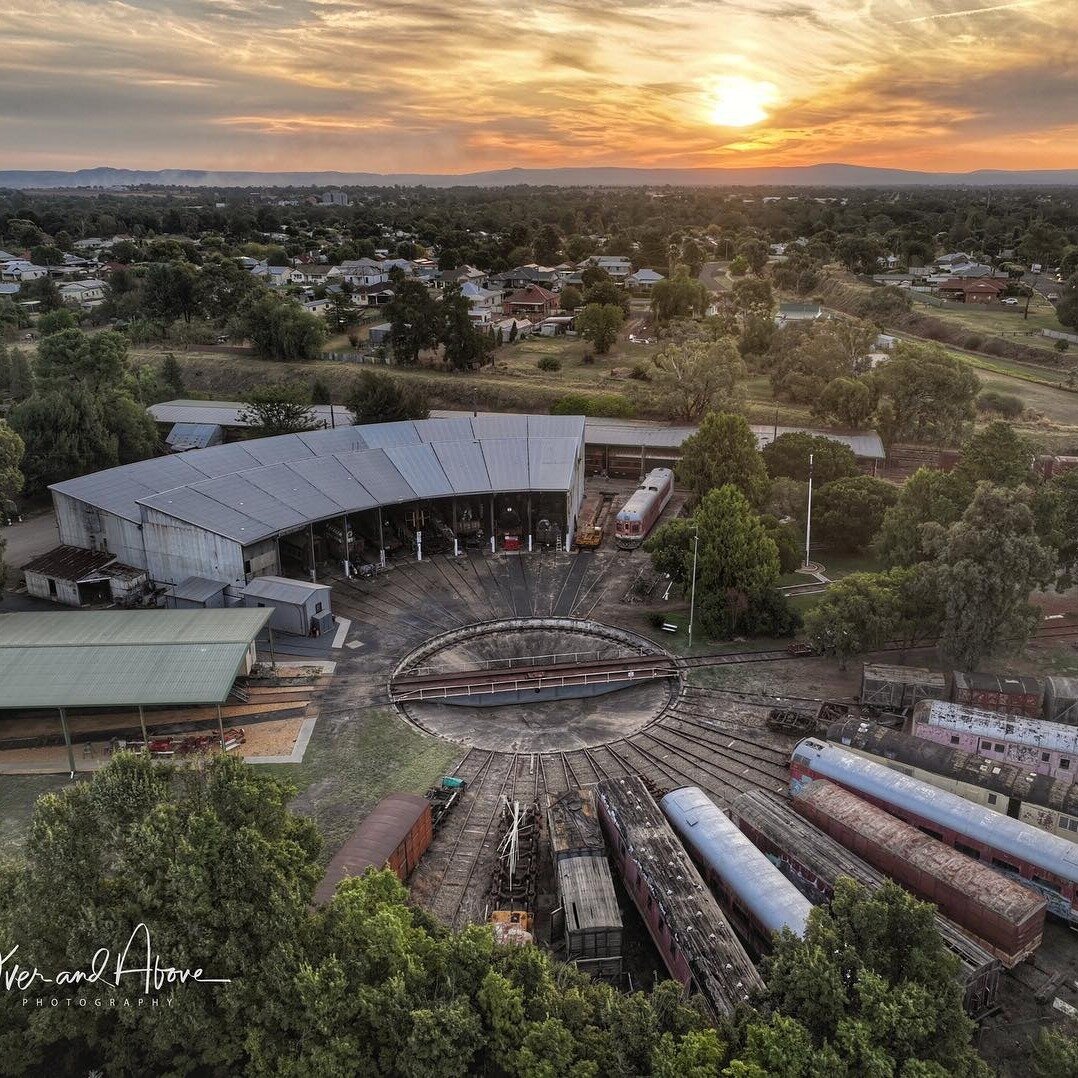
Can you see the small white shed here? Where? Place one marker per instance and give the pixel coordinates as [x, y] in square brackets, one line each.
[299, 607]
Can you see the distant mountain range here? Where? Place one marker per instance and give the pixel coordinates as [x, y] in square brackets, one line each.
[823, 175]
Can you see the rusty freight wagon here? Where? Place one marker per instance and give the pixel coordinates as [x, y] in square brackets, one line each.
[686, 924]
[1005, 693]
[395, 835]
[814, 861]
[898, 688]
[1007, 918]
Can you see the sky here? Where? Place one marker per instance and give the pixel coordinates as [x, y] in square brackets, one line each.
[440, 86]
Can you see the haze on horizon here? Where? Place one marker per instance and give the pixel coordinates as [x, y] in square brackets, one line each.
[423, 86]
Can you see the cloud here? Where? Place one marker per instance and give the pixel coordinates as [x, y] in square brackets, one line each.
[431, 85]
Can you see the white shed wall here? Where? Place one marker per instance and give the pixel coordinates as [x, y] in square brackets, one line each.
[176, 550]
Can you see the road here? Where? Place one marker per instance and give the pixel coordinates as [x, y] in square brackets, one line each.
[713, 276]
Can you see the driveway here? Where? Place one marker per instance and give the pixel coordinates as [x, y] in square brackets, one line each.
[28, 538]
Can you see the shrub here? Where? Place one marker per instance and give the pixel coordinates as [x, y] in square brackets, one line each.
[588, 358]
[608, 405]
[640, 372]
[1005, 404]
[549, 363]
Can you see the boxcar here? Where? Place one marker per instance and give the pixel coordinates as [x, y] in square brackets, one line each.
[896, 688]
[1006, 918]
[1049, 748]
[756, 896]
[1041, 861]
[814, 860]
[395, 835]
[1007, 694]
[685, 922]
[638, 515]
[1039, 800]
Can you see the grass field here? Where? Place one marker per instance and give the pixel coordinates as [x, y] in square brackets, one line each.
[353, 761]
[995, 321]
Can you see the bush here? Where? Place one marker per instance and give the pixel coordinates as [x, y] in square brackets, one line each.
[640, 372]
[549, 363]
[1005, 404]
[608, 405]
[656, 620]
[588, 358]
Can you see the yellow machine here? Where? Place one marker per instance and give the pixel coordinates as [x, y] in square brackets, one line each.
[512, 927]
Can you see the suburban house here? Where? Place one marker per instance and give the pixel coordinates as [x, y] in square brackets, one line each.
[618, 266]
[459, 276]
[980, 290]
[523, 276]
[533, 301]
[364, 271]
[483, 303]
[20, 269]
[316, 306]
[797, 312]
[9, 288]
[380, 334]
[314, 274]
[274, 276]
[373, 295]
[85, 294]
[643, 280]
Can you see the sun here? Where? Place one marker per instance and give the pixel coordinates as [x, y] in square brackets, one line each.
[736, 101]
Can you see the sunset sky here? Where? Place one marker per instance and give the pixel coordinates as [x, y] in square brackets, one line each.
[434, 86]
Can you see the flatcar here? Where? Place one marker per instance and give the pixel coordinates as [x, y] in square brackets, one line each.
[1048, 748]
[814, 861]
[1039, 800]
[757, 897]
[638, 515]
[690, 931]
[1006, 918]
[1041, 861]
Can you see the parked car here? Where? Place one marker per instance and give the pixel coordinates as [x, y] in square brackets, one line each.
[1011, 301]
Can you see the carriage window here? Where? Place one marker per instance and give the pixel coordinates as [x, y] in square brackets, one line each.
[1068, 823]
[1040, 881]
[969, 851]
[986, 744]
[1006, 866]
[991, 799]
[954, 739]
[1064, 763]
[1001, 748]
[1045, 757]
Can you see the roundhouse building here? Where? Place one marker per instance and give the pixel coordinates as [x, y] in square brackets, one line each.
[232, 512]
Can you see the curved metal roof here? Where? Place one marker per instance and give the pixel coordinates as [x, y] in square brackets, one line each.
[1055, 736]
[1007, 835]
[253, 490]
[769, 896]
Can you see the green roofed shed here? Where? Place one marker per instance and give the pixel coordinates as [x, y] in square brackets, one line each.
[119, 658]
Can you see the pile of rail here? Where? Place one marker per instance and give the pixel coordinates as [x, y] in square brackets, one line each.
[515, 879]
[180, 745]
[589, 534]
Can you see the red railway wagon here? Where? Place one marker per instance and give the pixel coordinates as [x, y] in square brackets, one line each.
[395, 835]
[1005, 917]
[1008, 694]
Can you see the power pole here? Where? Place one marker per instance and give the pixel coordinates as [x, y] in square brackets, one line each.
[692, 593]
[808, 518]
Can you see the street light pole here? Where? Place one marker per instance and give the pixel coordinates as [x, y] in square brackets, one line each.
[692, 594]
[808, 518]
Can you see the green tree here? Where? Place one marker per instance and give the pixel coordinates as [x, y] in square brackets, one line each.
[737, 561]
[380, 398]
[546, 245]
[170, 290]
[697, 377]
[277, 409]
[16, 374]
[12, 481]
[172, 375]
[65, 435]
[848, 401]
[599, 323]
[413, 319]
[1055, 1052]
[929, 496]
[70, 357]
[723, 451]
[847, 513]
[278, 327]
[754, 252]
[858, 613]
[1056, 509]
[54, 321]
[679, 297]
[788, 455]
[570, 298]
[930, 394]
[990, 561]
[465, 345]
[1067, 305]
[997, 453]
[132, 426]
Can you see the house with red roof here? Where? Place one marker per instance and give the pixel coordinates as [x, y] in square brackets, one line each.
[533, 302]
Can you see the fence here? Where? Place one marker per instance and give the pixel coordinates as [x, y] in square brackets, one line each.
[1059, 335]
[358, 357]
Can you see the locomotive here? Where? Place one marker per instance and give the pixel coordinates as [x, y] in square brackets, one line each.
[638, 515]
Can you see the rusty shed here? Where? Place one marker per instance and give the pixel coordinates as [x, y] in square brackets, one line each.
[1061, 700]
[1009, 694]
[1005, 916]
[76, 577]
[896, 688]
[589, 918]
[395, 835]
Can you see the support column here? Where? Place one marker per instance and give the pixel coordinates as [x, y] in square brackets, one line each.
[529, 521]
[381, 540]
[142, 723]
[221, 727]
[492, 516]
[67, 741]
[347, 548]
[310, 548]
[273, 658]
